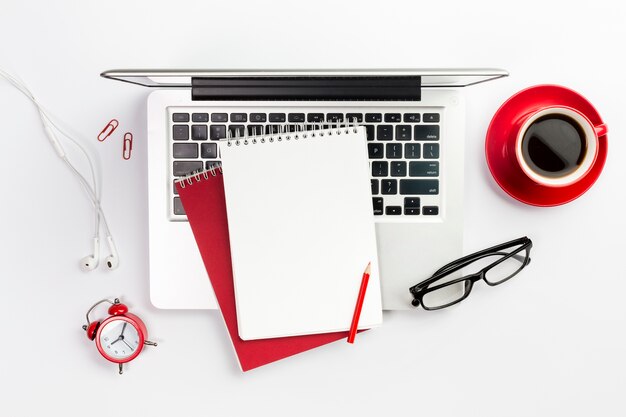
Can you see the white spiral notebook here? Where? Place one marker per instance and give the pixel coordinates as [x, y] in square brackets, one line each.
[301, 232]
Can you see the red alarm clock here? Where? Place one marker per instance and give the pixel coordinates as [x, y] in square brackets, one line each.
[120, 337]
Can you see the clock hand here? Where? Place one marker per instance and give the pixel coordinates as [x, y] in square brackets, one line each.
[121, 336]
[131, 349]
[123, 328]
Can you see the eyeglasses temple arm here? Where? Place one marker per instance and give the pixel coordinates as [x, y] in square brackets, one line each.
[480, 254]
[455, 266]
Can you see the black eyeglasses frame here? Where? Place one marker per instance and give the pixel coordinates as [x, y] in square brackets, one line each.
[420, 290]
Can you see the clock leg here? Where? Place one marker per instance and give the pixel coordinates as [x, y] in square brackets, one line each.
[149, 343]
[121, 370]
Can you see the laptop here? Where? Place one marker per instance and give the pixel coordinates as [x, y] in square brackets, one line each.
[415, 123]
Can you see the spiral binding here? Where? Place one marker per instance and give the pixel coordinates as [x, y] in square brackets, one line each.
[197, 175]
[300, 132]
[316, 130]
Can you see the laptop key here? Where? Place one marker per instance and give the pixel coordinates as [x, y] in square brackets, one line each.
[431, 210]
[354, 117]
[334, 117]
[403, 132]
[419, 187]
[219, 117]
[427, 132]
[373, 117]
[431, 117]
[380, 169]
[423, 169]
[238, 117]
[384, 132]
[180, 132]
[378, 205]
[393, 210]
[398, 169]
[389, 186]
[393, 117]
[255, 130]
[237, 131]
[412, 150]
[217, 132]
[394, 150]
[270, 129]
[208, 150]
[277, 117]
[431, 150]
[374, 186]
[178, 207]
[371, 132]
[411, 117]
[315, 117]
[182, 168]
[411, 202]
[375, 150]
[199, 132]
[200, 117]
[258, 117]
[180, 117]
[296, 117]
[185, 150]
[211, 164]
[411, 206]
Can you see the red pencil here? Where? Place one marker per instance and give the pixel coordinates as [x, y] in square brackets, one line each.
[359, 304]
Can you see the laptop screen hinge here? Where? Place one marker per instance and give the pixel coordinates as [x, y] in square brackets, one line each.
[306, 88]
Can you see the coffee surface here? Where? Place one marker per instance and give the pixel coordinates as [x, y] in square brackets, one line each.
[554, 146]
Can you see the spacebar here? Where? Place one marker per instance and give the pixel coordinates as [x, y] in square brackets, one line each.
[419, 187]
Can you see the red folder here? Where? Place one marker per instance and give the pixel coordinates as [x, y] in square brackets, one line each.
[203, 200]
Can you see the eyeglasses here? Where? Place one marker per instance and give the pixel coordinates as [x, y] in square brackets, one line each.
[494, 265]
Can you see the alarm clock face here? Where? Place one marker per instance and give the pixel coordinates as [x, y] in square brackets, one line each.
[119, 340]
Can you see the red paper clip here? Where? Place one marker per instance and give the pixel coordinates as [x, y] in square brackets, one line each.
[108, 130]
[128, 145]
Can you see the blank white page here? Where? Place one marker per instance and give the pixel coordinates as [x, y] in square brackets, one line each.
[301, 233]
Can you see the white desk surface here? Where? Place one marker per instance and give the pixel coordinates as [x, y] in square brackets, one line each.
[549, 342]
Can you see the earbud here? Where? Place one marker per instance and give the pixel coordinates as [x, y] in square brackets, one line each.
[112, 261]
[90, 262]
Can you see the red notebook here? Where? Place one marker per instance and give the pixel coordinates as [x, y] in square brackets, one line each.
[203, 199]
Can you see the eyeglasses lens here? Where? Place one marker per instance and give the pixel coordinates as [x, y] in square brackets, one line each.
[446, 295]
[507, 268]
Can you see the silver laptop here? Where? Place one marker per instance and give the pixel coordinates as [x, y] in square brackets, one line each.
[415, 123]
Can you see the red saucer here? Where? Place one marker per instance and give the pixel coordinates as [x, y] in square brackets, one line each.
[503, 164]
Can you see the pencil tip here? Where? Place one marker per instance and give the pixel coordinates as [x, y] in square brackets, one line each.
[368, 269]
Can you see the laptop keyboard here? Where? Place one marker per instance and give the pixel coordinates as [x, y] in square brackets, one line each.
[403, 147]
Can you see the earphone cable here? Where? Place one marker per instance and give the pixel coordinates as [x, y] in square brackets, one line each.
[91, 190]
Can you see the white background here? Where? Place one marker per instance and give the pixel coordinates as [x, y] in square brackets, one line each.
[549, 342]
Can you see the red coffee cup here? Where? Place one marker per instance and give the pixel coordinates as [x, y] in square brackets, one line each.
[556, 146]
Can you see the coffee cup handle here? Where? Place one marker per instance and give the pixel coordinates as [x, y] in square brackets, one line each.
[601, 130]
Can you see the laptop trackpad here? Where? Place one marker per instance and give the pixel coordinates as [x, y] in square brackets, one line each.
[411, 252]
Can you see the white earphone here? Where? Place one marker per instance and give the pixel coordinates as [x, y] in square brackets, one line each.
[113, 260]
[89, 262]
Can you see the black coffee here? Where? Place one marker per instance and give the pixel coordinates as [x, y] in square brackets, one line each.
[554, 146]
